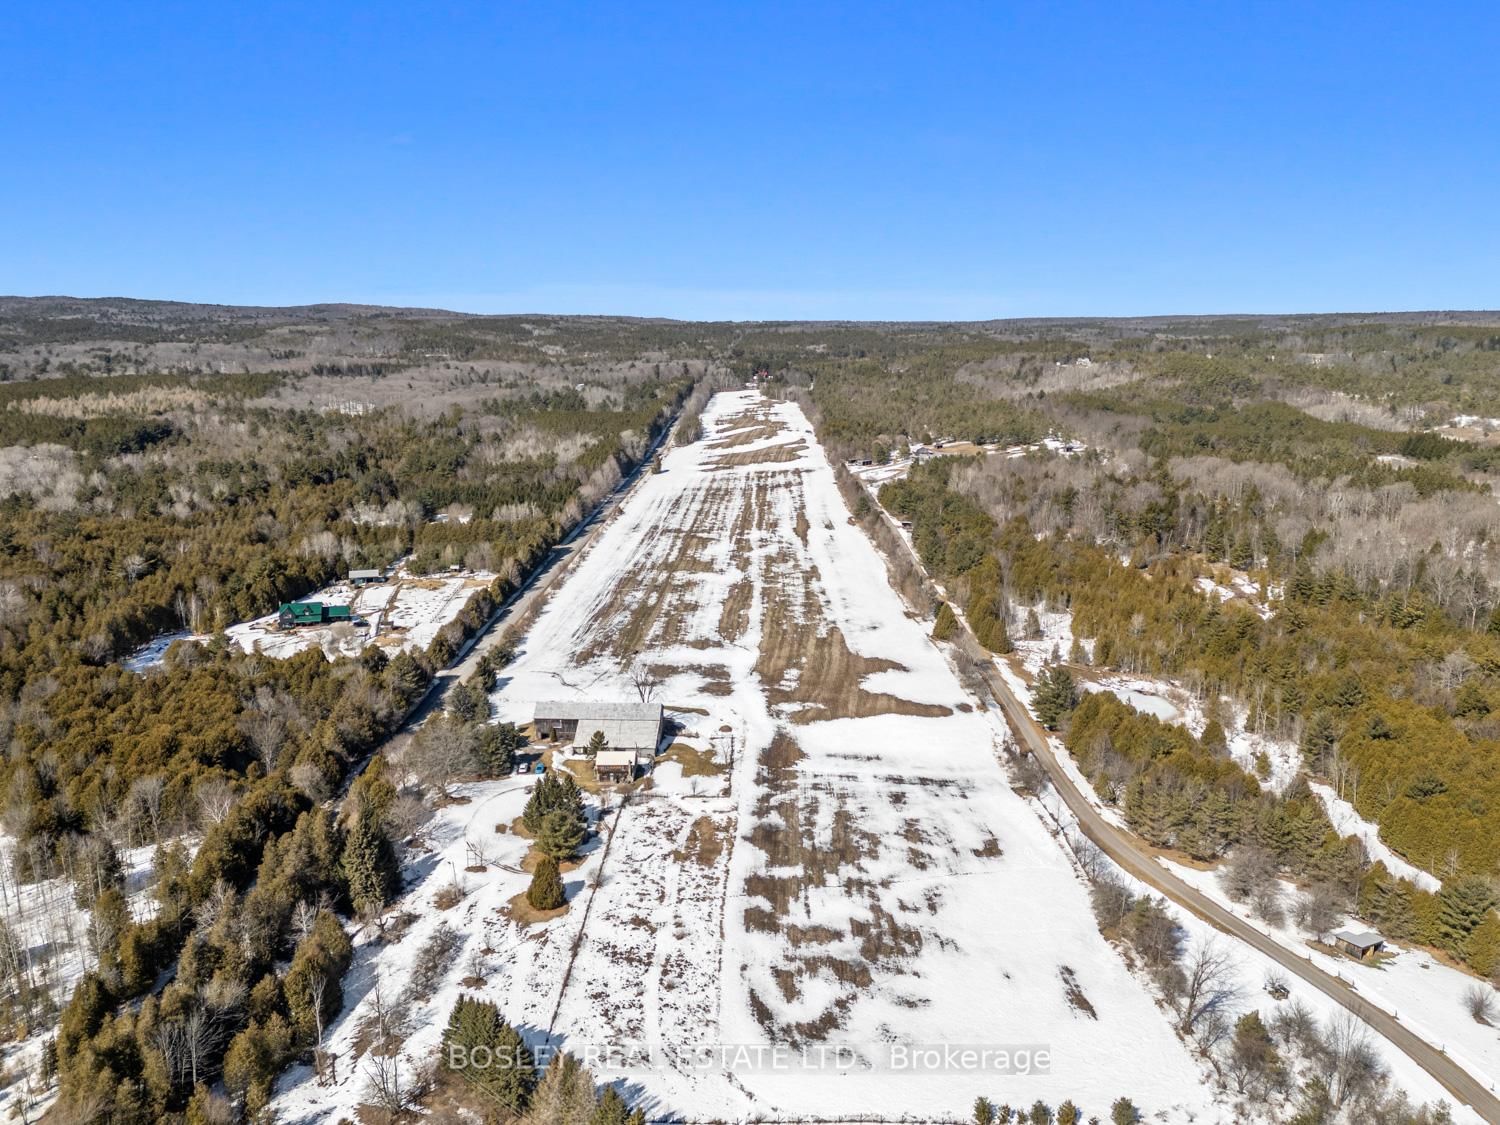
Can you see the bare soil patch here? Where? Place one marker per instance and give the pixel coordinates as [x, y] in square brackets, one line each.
[705, 843]
[778, 454]
[524, 914]
[1074, 992]
[734, 614]
[694, 762]
[755, 424]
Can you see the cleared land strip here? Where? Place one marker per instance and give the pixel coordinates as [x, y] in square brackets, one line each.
[1132, 856]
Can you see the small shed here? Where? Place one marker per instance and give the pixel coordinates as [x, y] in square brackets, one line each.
[615, 766]
[1358, 943]
[366, 577]
[625, 726]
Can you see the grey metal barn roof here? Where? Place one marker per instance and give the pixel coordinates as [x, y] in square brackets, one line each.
[1359, 939]
[621, 734]
[594, 710]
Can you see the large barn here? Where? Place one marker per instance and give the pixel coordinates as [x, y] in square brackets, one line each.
[626, 726]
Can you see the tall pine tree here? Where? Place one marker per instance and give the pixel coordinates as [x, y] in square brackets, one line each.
[369, 865]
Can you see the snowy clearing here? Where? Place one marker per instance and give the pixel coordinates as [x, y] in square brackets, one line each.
[404, 612]
[1347, 822]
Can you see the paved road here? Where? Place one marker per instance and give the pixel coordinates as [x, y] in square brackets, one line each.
[1132, 855]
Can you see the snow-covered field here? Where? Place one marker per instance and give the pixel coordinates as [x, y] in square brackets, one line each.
[864, 881]
[857, 880]
[402, 613]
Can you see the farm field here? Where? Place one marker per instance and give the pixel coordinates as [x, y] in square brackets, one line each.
[852, 872]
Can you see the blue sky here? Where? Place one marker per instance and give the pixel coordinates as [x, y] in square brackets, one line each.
[746, 161]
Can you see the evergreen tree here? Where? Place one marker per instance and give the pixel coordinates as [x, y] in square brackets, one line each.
[1464, 903]
[1242, 555]
[984, 1111]
[509, 1082]
[1069, 1114]
[368, 865]
[1041, 1113]
[207, 1108]
[254, 1058]
[546, 889]
[504, 1070]
[552, 792]
[564, 1096]
[1053, 695]
[560, 834]
[1213, 738]
[612, 1109]
[1319, 737]
[47, 1067]
[597, 742]
[312, 985]
[1253, 1059]
[946, 624]
[468, 703]
[987, 614]
[1123, 1112]
[498, 746]
[1215, 538]
[1483, 949]
[543, 799]
[83, 1016]
[1387, 902]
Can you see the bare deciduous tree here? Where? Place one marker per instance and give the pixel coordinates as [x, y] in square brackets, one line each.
[143, 802]
[1479, 1001]
[215, 797]
[304, 918]
[267, 724]
[642, 678]
[1250, 871]
[1207, 987]
[1320, 909]
[1350, 1064]
[310, 781]
[440, 753]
